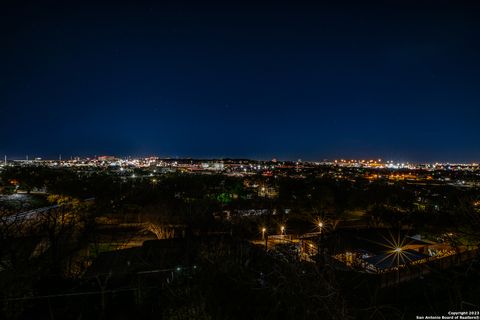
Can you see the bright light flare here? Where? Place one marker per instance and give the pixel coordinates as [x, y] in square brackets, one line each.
[396, 248]
[319, 223]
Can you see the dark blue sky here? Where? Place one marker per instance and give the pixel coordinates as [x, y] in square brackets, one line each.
[278, 79]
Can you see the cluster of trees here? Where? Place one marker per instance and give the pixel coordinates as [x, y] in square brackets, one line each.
[44, 246]
[234, 279]
[192, 199]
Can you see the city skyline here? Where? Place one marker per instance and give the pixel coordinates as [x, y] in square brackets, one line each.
[373, 162]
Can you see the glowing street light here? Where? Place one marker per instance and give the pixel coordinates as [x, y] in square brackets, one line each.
[320, 239]
[264, 230]
[282, 230]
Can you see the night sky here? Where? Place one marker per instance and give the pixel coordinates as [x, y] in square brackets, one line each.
[236, 79]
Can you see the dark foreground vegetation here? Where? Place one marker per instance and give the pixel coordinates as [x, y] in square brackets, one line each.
[178, 246]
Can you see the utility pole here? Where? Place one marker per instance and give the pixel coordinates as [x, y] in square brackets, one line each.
[320, 240]
[5, 159]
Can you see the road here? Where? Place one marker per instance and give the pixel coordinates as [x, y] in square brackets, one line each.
[32, 214]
